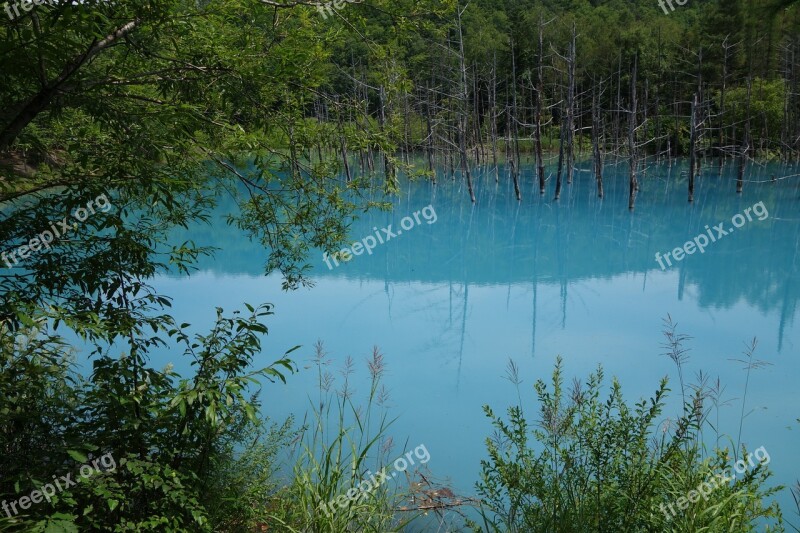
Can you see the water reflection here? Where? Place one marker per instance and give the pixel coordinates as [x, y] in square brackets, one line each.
[502, 242]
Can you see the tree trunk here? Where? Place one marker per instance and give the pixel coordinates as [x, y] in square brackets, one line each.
[514, 126]
[493, 104]
[462, 121]
[598, 160]
[571, 106]
[539, 99]
[634, 184]
[745, 144]
[692, 147]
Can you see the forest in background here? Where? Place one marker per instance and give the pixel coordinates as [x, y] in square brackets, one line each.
[472, 83]
[491, 81]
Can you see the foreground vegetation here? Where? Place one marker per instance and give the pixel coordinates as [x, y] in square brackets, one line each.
[195, 455]
[598, 464]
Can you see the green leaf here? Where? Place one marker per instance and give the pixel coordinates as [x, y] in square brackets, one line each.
[61, 523]
[78, 456]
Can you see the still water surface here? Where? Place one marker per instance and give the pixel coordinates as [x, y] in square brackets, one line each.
[449, 303]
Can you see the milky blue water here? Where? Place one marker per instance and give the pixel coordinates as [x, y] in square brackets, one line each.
[450, 302]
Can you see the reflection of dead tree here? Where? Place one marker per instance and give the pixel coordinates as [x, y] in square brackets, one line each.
[426, 494]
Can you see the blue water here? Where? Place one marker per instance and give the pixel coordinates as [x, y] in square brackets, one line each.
[449, 303]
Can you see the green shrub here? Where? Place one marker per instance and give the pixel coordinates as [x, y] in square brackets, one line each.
[189, 454]
[599, 464]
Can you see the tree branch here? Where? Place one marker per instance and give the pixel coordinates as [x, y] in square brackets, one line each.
[41, 100]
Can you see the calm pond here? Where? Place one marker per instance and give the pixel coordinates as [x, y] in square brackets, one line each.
[449, 301]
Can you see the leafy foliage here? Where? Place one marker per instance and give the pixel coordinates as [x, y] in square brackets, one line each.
[172, 440]
[605, 465]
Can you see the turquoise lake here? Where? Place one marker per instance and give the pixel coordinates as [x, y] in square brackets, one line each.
[448, 303]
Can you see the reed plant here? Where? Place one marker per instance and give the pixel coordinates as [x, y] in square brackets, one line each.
[342, 446]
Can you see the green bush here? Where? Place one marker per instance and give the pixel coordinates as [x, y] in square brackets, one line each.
[189, 454]
[598, 464]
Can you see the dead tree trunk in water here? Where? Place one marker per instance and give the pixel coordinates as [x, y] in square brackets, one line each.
[562, 138]
[742, 162]
[616, 133]
[571, 106]
[514, 119]
[598, 160]
[510, 160]
[693, 147]
[539, 98]
[429, 148]
[723, 88]
[462, 119]
[343, 141]
[634, 184]
[476, 113]
[788, 61]
[794, 91]
[560, 166]
[657, 110]
[493, 96]
[699, 105]
[745, 144]
[388, 166]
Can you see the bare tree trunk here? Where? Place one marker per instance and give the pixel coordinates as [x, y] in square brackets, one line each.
[462, 121]
[657, 110]
[562, 139]
[430, 133]
[539, 99]
[723, 89]
[787, 99]
[493, 97]
[514, 125]
[571, 106]
[675, 113]
[692, 146]
[480, 148]
[343, 141]
[795, 92]
[745, 143]
[388, 167]
[560, 166]
[598, 160]
[617, 131]
[634, 184]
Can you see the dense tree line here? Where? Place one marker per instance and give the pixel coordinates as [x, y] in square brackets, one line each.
[492, 81]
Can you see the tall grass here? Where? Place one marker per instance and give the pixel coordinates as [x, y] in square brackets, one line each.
[342, 445]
